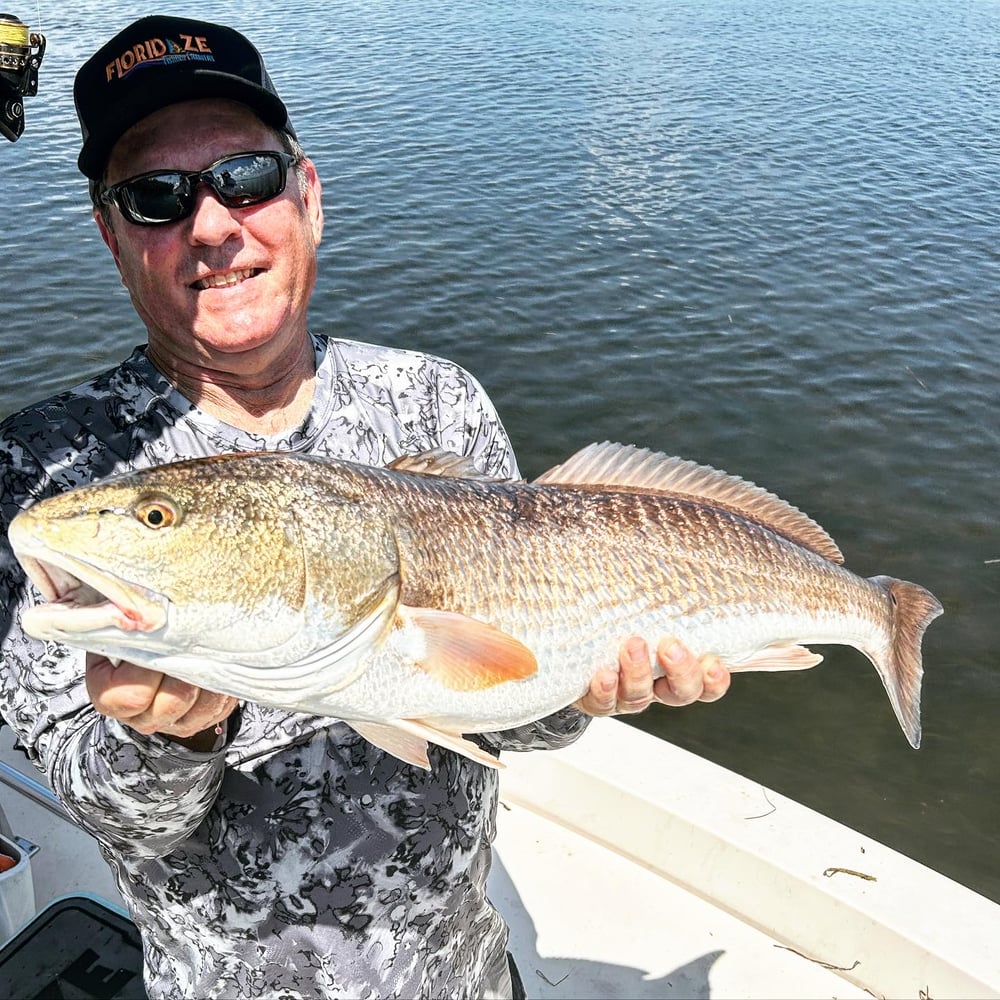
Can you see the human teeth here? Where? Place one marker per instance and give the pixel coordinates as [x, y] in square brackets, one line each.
[222, 280]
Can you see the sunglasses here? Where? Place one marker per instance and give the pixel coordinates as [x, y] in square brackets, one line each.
[163, 196]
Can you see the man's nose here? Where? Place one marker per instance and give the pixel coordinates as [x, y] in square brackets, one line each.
[212, 223]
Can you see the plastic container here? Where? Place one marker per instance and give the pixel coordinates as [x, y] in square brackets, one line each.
[79, 947]
[17, 891]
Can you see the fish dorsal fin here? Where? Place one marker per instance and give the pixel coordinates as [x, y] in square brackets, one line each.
[439, 462]
[624, 465]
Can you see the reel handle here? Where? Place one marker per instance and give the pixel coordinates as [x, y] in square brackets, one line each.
[21, 53]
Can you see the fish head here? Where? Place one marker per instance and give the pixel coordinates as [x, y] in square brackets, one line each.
[211, 559]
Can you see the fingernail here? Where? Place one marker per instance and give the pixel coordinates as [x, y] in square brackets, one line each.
[674, 652]
[636, 650]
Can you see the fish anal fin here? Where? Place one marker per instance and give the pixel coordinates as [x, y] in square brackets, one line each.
[624, 466]
[407, 739]
[465, 654]
[790, 657]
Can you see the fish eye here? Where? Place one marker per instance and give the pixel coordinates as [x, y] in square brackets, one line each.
[157, 512]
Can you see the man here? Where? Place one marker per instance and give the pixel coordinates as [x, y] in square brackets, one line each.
[261, 853]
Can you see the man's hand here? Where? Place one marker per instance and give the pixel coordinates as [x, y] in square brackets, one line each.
[632, 689]
[151, 702]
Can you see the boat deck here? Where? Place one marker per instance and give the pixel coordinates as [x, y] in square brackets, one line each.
[645, 871]
[628, 868]
[589, 923]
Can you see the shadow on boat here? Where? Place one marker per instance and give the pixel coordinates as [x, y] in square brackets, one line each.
[582, 978]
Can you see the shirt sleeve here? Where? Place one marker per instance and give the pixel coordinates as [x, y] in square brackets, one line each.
[141, 792]
[486, 438]
[551, 733]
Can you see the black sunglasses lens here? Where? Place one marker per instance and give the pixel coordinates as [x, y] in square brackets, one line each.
[155, 198]
[249, 179]
[168, 195]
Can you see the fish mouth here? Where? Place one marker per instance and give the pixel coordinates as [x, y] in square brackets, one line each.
[80, 598]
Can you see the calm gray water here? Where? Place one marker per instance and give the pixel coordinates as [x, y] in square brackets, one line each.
[762, 235]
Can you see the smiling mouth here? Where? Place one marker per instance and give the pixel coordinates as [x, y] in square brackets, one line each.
[226, 279]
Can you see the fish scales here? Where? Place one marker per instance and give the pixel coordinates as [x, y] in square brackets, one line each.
[589, 548]
[421, 606]
[551, 565]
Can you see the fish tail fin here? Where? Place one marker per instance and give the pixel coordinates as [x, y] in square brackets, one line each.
[901, 670]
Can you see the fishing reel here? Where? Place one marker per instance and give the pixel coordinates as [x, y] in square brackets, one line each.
[21, 54]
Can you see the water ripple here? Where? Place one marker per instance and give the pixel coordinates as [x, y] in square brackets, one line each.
[763, 236]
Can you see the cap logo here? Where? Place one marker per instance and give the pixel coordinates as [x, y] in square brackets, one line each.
[159, 50]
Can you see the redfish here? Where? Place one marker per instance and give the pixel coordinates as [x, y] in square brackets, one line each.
[422, 602]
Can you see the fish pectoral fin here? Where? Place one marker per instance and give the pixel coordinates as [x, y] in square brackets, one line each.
[407, 739]
[464, 654]
[790, 657]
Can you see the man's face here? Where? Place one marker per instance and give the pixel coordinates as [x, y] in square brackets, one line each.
[223, 281]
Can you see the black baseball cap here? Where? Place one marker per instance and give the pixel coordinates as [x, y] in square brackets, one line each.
[157, 61]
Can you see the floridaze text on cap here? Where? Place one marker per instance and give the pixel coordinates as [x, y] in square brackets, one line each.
[161, 50]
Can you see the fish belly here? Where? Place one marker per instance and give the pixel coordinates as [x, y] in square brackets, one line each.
[569, 655]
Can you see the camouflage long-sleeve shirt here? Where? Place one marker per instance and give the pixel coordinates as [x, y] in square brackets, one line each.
[296, 860]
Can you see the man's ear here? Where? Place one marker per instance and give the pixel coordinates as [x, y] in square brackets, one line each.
[312, 197]
[108, 235]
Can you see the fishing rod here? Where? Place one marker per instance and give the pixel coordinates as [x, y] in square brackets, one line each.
[21, 52]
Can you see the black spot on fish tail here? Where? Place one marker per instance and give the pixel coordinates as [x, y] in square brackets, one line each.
[913, 609]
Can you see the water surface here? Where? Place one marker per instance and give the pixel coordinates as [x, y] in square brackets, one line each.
[759, 235]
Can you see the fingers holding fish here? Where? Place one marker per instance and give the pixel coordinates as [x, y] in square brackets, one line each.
[686, 678]
[635, 678]
[602, 695]
[625, 691]
[151, 702]
[120, 690]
